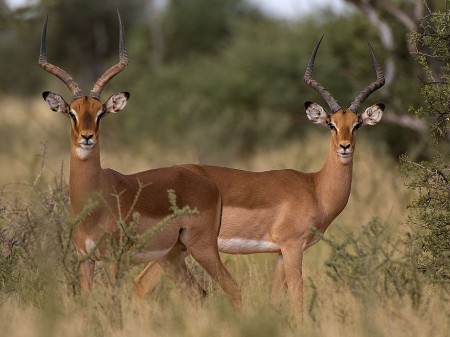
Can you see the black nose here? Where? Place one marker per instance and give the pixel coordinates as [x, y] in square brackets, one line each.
[87, 136]
[345, 147]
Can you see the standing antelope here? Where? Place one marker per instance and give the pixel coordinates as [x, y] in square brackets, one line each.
[274, 211]
[144, 192]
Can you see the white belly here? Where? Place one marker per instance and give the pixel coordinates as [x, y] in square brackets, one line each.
[246, 246]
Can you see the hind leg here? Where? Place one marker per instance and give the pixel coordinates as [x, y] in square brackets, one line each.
[203, 248]
[174, 265]
[147, 280]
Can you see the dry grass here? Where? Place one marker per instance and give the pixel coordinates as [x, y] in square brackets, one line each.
[337, 313]
[378, 190]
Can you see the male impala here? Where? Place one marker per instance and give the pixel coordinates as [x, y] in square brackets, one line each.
[274, 211]
[144, 192]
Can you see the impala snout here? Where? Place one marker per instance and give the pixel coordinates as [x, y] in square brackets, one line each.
[87, 139]
[345, 151]
[345, 146]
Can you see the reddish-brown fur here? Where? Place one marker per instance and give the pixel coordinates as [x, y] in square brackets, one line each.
[278, 211]
[116, 193]
[118, 196]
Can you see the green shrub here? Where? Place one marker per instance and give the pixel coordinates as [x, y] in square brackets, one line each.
[430, 211]
[373, 263]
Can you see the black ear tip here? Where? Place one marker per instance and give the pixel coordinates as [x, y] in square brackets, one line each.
[127, 94]
[307, 104]
[381, 105]
[45, 94]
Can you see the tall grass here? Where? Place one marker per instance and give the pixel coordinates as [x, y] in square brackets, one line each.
[356, 280]
[336, 312]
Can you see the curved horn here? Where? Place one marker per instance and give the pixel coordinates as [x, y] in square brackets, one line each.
[115, 69]
[372, 87]
[54, 70]
[326, 95]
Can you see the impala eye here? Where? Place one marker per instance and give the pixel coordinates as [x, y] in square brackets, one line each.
[99, 116]
[72, 116]
[357, 125]
[331, 126]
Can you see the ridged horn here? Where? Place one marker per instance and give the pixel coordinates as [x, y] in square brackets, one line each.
[326, 95]
[115, 69]
[377, 84]
[54, 70]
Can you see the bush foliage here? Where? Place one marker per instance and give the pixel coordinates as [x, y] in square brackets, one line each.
[234, 89]
[430, 211]
[377, 260]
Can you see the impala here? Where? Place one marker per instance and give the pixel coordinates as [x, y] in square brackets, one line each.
[275, 211]
[144, 192]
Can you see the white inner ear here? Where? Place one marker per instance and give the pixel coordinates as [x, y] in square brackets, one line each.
[116, 103]
[56, 102]
[372, 115]
[317, 114]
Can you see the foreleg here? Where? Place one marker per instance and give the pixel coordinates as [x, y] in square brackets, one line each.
[87, 268]
[292, 259]
[279, 281]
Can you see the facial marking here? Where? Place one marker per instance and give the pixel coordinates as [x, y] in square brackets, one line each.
[99, 112]
[87, 120]
[84, 112]
[332, 125]
[356, 125]
[73, 115]
[346, 123]
[82, 153]
[98, 116]
[74, 112]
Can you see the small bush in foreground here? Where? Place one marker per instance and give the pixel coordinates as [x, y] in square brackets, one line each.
[430, 211]
[372, 263]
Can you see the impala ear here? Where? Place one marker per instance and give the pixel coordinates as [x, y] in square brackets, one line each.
[55, 102]
[372, 115]
[316, 113]
[117, 102]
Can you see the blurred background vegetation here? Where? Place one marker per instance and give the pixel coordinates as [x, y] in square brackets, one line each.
[222, 75]
[221, 82]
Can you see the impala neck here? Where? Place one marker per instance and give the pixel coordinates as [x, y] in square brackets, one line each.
[86, 177]
[333, 183]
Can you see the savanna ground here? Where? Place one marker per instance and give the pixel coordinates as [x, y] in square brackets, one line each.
[357, 282]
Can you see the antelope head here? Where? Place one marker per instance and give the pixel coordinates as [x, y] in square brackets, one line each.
[343, 123]
[85, 112]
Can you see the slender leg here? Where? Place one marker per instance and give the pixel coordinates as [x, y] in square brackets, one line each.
[87, 275]
[279, 281]
[292, 258]
[174, 265]
[206, 253]
[147, 280]
[112, 274]
[212, 264]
